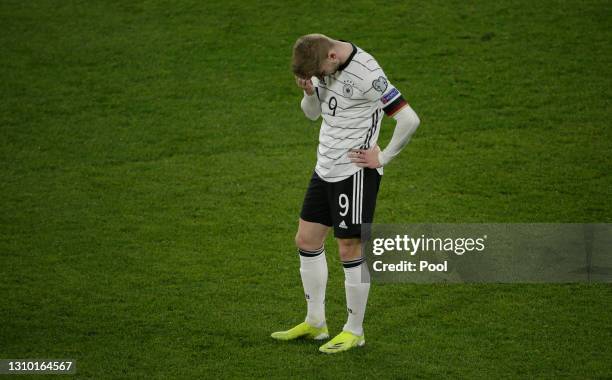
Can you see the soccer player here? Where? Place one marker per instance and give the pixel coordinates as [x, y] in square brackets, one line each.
[348, 88]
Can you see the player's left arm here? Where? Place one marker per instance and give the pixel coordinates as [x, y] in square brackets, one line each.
[393, 103]
[407, 123]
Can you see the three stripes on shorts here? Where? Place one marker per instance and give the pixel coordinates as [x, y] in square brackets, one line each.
[357, 197]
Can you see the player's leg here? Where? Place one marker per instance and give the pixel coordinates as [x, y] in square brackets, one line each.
[310, 236]
[312, 229]
[360, 190]
[357, 288]
[356, 283]
[310, 240]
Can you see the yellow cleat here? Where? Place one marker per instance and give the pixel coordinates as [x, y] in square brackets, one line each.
[342, 342]
[303, 330]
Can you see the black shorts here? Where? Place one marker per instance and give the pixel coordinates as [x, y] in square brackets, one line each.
[345, 204]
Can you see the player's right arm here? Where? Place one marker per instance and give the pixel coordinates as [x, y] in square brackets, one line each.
[310, 102]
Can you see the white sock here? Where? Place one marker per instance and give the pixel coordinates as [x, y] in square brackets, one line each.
[357, 286]
[313, 269]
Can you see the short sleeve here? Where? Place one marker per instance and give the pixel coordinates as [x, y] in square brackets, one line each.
[379, 89]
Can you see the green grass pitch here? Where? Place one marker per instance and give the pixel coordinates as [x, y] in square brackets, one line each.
[153, 160]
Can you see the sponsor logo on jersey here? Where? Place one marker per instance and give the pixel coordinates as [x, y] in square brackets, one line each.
[385, 99]
[343, 225]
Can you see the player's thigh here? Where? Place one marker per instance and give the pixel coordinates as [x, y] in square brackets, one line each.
[315, 217]
[316, 208]
[353, 202]
[310, 236]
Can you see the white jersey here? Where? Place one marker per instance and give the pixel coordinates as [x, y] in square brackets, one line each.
[352, 103]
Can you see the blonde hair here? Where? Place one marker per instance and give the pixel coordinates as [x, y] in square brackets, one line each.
[309, 52]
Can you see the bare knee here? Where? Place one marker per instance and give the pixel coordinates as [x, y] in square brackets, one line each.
[310, 236]
[349, 249]
[307, 242]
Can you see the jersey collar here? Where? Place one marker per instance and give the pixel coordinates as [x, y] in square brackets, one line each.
[350, 58]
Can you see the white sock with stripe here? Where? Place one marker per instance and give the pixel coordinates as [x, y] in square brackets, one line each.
[313, 270]
[357, 287]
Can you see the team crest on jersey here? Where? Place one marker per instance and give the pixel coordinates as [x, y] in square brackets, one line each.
[380, 84]
[347, 89]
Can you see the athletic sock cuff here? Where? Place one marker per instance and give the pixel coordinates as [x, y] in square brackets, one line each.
[306, 253]
[353, 263]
